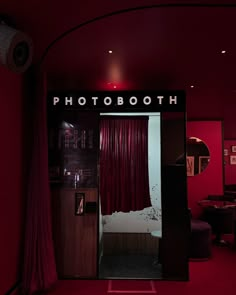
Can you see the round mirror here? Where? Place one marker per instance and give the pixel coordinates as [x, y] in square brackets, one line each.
[198, 156]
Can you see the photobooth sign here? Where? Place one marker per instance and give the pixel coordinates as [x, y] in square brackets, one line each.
[169, 101]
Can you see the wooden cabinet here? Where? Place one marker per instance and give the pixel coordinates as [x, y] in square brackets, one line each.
[75, 236]
[73, 149]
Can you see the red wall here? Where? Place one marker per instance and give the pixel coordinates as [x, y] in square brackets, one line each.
[11, 190]
[210, 181]
[12, 197]
[230, 170]
[208, 108]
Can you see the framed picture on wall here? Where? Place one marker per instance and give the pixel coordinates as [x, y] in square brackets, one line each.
[203, 162]
[233, 148]
[233, 160]
[190, 166]
[79, 203]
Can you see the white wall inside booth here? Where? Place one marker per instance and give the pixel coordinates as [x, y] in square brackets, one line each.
[148, 219]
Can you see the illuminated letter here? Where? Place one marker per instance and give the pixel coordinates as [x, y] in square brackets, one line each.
[120, 100]
[160, 99]
[133, 100]
[107, 101]
[147, 100]
[68, 100]
[173, 100]
[82, 101]
[55, 100]
[94, 98]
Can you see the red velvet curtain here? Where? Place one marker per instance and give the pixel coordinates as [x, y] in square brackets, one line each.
[124, 182]
[39, 269]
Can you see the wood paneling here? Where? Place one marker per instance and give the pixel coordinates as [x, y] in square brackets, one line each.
[130, 243]
[75, 237]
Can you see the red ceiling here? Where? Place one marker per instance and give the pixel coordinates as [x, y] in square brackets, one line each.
[165, 47]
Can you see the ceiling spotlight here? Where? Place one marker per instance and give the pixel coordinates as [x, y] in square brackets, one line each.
[114, 86]
[192, 86]
[110, 51]
[223, 51]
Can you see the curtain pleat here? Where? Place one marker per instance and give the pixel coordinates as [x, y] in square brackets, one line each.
[39, 269]
[124, 181]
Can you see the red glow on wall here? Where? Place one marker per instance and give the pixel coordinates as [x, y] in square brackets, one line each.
[114, 86]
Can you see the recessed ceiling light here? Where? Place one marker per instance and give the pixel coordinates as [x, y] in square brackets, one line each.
[114, 86]
[223, 51]
[192, 86]
[110, 51]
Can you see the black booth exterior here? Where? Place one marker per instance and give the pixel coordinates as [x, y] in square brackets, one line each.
[175, 215]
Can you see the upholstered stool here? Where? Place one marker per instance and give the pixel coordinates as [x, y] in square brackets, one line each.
[200, 240]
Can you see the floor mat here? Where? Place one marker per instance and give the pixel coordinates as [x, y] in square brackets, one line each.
[130, 266]
[131, 286]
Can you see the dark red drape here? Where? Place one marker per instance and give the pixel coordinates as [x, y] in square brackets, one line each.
[39, 270]
[124, 182]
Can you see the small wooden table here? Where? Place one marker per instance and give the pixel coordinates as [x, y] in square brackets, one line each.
[221, 220]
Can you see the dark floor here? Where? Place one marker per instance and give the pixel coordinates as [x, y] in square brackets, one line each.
[214, 276]
[130, 266]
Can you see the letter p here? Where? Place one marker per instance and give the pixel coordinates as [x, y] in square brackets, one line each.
[55, 100]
